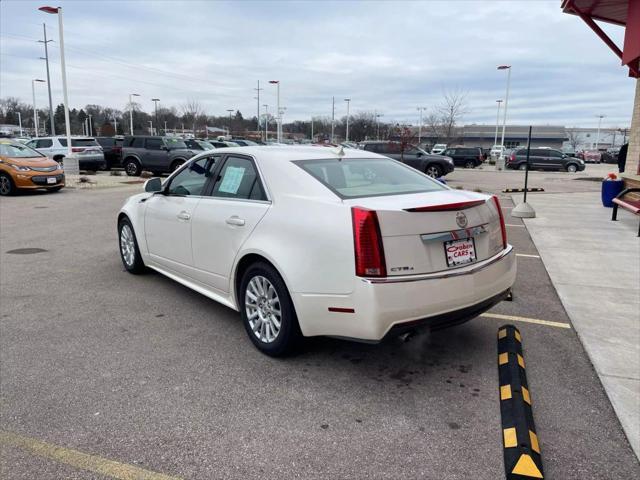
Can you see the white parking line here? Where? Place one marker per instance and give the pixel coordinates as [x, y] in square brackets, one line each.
[527, 255]
[515, 318]
[512, 225]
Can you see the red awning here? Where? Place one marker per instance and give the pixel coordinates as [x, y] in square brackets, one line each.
[625, 13]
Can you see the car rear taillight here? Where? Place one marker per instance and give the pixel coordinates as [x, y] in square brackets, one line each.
[512, 158]
[502, 225]
[77, 150]
[367, 242]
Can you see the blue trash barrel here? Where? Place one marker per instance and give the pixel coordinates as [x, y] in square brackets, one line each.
[610, 189]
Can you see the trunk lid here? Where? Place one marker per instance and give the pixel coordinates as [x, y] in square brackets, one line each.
[435, 231]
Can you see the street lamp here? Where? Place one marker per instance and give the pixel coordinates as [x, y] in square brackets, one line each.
[90, 126]
[35, 111]
[58, 11]
[600, 117]
[266, 122]
[279, 118]
[155, 101]
[378, 115]
[20, 122]
[46, 59]
[131, 110]
[230, 110]
[506, 104]
[420, 109]
[495, 139]
[348, 100]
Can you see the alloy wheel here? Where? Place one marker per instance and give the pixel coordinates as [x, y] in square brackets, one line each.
[127, 245]
[5, 185]
[131, 168]
[263, 309]
[433, 171]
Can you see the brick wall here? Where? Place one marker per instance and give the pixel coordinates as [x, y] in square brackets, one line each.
[632, 169]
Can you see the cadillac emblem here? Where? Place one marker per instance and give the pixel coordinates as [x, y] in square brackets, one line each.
[461, 220]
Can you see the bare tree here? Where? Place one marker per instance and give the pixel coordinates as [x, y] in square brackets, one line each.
[450, 111]
[575, 138]
[191, 110]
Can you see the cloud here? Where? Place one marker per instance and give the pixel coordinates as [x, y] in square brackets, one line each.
[385, 56]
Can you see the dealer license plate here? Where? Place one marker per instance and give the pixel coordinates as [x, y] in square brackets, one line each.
[51, 180]
[460, 252]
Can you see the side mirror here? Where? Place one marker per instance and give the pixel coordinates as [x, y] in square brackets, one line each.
[153, 185]
[564, 155]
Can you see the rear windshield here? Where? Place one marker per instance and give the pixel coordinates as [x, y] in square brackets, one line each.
[363, 177]
[16, 150]
[105, 142]
[79, 142]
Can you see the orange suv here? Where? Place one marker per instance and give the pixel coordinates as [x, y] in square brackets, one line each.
[22, 167]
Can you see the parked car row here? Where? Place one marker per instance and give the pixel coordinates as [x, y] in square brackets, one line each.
[544, 159]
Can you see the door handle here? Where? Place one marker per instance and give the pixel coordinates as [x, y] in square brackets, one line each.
[235, 220]
[184, 215]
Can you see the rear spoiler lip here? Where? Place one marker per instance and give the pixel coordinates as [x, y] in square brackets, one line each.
[447, 207]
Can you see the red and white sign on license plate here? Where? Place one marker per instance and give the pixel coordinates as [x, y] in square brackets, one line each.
[460, 252]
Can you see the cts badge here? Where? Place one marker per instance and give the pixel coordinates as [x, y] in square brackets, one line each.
[461, 220]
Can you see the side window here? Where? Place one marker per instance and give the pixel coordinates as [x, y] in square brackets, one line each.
[137, 142]
[449, 151]
[238, 179]
[45, 143]
[554, 154]
[32, 143]
[191, 180]
[154, 143]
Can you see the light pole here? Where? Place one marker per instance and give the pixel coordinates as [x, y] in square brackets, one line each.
[506, 104]
[333, 116]
[378, 115]
[115, 125]
[278, 118]
[165, 129]
[495, 139]
[155, 102]
[420, 109]
[35, 110]
[258, 102]
[312, 129]
[230, 110]
[46, 59]
[20, 122]
[131, 95]
[150, 127]
[90, 125]
[600, 117]
[58, 11]
[346, 136]
[266, 122]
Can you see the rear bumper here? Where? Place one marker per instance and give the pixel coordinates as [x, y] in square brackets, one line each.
[91, 162]
[380, 307]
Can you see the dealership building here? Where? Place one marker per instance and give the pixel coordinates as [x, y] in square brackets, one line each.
[515, 136]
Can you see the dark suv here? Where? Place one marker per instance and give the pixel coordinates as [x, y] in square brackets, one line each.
[156, 154]
[467, 157]
[544, 159]
[112, 148]
[433, 165]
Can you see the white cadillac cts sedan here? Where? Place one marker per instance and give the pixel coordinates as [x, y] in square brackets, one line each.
[310, 241]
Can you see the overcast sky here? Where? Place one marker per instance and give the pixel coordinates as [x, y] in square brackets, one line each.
[386, 56]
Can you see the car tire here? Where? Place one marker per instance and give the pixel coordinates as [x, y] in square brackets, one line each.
[572, 168]
[132, 167]
[176, 164]
[260, 315]
[7, 187]
[128, 247]
[434, 171]
[522, 166]
[470, 164]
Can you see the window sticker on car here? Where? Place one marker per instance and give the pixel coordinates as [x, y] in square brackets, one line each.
[232, 179]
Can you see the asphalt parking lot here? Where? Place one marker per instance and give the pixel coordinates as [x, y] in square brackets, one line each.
[144, 372]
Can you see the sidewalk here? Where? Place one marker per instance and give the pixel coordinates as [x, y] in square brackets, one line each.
[594, 264]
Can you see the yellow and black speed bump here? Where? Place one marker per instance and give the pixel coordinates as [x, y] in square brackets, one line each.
[522, 459]
[521, 190]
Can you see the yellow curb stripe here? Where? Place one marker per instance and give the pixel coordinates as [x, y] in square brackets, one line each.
[510, 438]
[502, 333]
[525, 395]
[514, 318]
[526, 467]
[83, 461]
[503, 358]
[518, 337]
[520, 360]
[505, 392]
